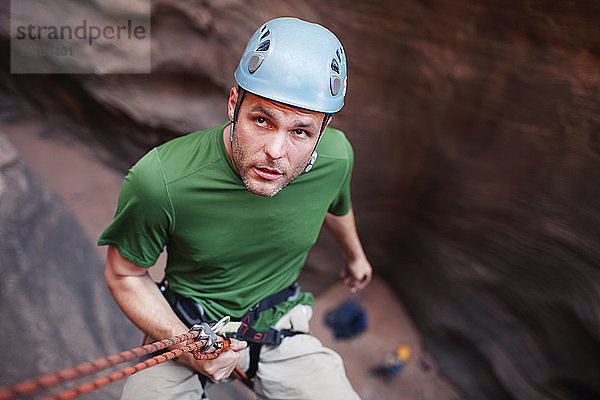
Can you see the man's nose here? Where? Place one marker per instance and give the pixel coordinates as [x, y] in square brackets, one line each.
[275, 147]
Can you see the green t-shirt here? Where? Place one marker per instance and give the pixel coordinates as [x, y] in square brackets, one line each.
[227, 247]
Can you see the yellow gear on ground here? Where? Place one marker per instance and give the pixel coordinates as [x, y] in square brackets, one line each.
[403, 352]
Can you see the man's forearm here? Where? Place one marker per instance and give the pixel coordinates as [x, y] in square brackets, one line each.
[139, 298]
[343, 229]
[358, 271]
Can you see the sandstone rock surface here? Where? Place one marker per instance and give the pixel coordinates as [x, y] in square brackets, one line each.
[56, 310]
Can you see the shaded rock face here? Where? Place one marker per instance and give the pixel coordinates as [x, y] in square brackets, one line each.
[499, 263]
[56, 310]
[477, 135]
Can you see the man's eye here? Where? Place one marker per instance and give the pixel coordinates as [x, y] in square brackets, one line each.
[301, 133]
[261, 120]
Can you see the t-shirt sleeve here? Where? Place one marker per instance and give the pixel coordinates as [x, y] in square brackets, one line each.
[144, 215]
[342, 203]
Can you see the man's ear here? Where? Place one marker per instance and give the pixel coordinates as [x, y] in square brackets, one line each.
[233, 95]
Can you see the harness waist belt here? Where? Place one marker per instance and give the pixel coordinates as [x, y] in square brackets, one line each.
[272, 335]
[192, 313]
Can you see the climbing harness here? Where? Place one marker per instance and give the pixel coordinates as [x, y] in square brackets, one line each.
[272, 336]
[191, 313]
[269, 336]
[201, 340]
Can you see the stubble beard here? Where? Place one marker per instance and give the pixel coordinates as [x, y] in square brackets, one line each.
[243, 164]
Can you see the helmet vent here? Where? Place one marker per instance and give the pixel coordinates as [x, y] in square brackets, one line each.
[267, 33]
[335, 66]
[335, 84]
[255, 62]
[264, 46]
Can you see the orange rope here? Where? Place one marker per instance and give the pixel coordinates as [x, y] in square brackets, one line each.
[29, 387]
[242, 377]
[115, 376]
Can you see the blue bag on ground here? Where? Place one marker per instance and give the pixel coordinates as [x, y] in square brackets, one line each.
[347, 320]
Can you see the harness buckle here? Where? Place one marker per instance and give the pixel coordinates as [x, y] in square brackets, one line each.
[254, 312]
[278, 337]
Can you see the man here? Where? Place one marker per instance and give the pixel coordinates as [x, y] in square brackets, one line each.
[238, 207]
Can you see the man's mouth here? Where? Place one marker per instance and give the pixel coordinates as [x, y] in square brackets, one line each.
[267, 173]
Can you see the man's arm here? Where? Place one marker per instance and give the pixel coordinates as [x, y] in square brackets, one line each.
[359, 272]
[139, 298]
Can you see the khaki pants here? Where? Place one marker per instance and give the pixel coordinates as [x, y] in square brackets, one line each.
[300, 368]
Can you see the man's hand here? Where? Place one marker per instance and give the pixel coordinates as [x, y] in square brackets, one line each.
[139, 297]
[357, 274]
[219, 368]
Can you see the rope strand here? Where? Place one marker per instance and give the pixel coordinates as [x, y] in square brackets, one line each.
[99, 382]
[30, 387]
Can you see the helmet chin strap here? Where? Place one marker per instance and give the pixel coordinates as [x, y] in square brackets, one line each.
[311, 161]
[313, 156]
[236, 111]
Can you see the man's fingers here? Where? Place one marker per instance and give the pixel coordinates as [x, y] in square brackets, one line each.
[356, 284]
[344, 274]
[362, 283]
[221, 367]
[237, 345]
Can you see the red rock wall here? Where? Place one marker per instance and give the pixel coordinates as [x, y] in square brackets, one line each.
[499, 261]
